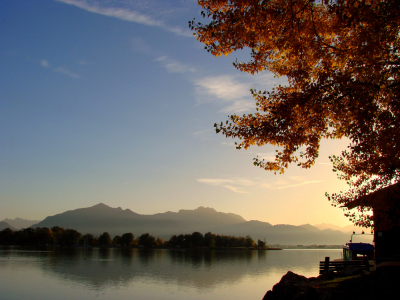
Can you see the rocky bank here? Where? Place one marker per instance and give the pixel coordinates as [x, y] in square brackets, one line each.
[351, 283]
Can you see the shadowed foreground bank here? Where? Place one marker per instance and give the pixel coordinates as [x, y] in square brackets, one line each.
[349, 284]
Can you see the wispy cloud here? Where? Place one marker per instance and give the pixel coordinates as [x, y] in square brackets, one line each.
[279, 186]
[240, 185]
[116, 12]
[266, 80]
[61, 70]
[44, 63]
[119, 11]
[83, 62]
[268, 156]
[235, 185]
[174, 66]
[205, 131]
[233, 92]
[225, 89]
[140, 45]
[300, 184]
[67, 72]
[238, 106]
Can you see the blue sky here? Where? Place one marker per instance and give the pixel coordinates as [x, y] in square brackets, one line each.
[115, 101]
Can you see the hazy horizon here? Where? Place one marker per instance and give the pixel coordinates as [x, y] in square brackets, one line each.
[320, 226]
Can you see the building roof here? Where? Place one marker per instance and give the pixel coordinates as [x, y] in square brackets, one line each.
[377, 198]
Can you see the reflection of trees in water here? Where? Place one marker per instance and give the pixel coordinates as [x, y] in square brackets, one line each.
[202, 269]
[209, 258]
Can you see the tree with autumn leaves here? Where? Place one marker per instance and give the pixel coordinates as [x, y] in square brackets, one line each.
[341, 60]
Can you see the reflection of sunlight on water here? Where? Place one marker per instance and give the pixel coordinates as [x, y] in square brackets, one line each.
[154, 274]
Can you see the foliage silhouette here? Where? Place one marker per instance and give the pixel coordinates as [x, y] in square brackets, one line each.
[71, 237]
[341, 59]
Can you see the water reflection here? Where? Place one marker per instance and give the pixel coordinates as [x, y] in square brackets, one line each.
[102, 267]
[99, 268]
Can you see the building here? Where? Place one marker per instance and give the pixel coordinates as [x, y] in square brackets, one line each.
[385, 204]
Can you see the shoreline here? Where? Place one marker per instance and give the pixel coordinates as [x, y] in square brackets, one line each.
[350, 283]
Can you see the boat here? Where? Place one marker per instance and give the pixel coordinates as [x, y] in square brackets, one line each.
[358, 251]
[360, 255]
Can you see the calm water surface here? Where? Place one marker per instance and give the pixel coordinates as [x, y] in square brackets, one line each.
[149, 274]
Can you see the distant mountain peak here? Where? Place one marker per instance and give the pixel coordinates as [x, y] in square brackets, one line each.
[205, 209]
[4, 225]
[200, 209]
[348, 228]
[310, 227]
[100, 205]
[19, 223]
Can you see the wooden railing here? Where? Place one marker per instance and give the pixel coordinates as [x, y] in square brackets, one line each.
[336, 266]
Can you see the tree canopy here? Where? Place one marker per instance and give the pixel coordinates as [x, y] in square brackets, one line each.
[341, 60]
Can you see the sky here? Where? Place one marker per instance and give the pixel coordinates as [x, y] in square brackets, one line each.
[114, 102]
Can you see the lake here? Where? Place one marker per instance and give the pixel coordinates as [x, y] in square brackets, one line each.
[100, 273]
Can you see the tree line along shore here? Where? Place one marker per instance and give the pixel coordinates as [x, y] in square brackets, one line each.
[71, 237]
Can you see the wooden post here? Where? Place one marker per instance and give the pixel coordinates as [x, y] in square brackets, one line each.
[326, 267]
[366, 261]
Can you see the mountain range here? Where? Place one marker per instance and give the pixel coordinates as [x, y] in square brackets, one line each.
[4, 225]
[116, 221]
[17, 223]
